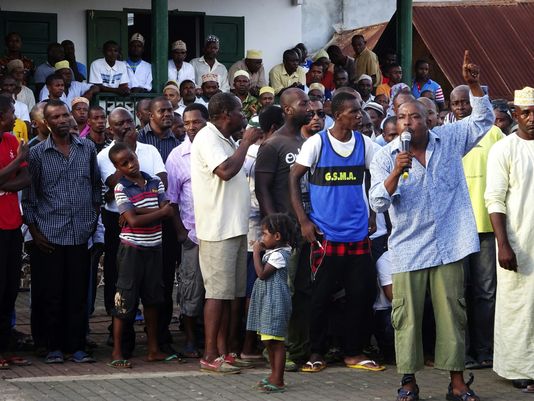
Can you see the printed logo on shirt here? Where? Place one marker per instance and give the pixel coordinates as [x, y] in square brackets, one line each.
[111, 79]
[334, 176]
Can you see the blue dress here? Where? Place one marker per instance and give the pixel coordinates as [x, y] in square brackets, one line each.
[270, 302]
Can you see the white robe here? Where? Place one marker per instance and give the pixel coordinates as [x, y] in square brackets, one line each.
[510, 190]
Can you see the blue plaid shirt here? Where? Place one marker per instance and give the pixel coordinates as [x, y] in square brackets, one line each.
[65, 193]
[431, 212]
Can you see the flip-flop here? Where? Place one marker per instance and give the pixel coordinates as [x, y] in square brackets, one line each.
[363, 366]
[529, 389]
[313, 367]
[272, 388]
[262, 382]
[82, 357]
[18, 361]
[54, 357]
[120, 364]
[4, 365]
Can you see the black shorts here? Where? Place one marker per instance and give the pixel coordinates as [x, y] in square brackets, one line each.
[139, 276]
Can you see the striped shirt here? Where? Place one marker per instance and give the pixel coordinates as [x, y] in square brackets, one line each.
[164, 145]
[429, 85]
[65, 192]
[129, 196]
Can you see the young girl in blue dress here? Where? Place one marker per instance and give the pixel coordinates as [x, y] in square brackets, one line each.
[270, 304]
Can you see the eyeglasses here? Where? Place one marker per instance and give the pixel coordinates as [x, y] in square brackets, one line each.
[319, 113]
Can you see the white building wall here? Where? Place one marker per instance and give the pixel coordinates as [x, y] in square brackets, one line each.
[272, 25]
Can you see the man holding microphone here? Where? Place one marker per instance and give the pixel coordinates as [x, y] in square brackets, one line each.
[433, 230]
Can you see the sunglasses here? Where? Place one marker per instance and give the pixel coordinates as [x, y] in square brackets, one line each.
[319, 113]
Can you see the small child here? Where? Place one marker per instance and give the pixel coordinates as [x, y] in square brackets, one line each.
[142, 204]
[270, 305]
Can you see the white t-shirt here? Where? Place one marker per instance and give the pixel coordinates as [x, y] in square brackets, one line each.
[275, 258]
[186, 72]
[381, 227]
[311, 150]
[111, 77]
[383, 269]
[21, 111]
[222, 207]
[150, 162]
[142, 77]
[76, 89]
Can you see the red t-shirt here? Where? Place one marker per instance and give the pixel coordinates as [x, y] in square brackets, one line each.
[10, 218]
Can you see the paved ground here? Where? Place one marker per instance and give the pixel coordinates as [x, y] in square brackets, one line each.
[171, 381]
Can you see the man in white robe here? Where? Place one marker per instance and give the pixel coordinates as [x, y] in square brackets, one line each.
[509, 198]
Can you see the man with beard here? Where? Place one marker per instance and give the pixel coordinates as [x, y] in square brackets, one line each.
[222, 206]
[121, 125]
[289, 74]
[253, 64]
[278, 153]
[158, 133]
[336, 160]
[208, 64]
[190, 284]
[509, 198]
[275, 158]
[139, 71]
[61, 217]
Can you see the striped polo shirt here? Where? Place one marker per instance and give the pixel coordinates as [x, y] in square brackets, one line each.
[128, 196]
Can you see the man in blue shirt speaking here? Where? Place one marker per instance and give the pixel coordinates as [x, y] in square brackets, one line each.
[433, 230]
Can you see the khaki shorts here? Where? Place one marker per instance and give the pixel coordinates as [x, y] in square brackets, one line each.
[224, 267]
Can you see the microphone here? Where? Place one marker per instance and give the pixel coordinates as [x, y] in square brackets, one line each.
[405, 140]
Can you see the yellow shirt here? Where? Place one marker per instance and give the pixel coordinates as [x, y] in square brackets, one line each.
[383, 89]
[20, 130]
[280, 79]
[475, 166]
[367, 63]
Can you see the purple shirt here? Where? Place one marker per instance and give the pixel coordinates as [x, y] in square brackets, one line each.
[85, 131]
[179, 190]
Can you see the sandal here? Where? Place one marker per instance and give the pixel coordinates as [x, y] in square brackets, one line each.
[465, 395]
[54, 357]
[120, 364]
[82, 357]
[407, 394]
[364, 365]
[18, 361]
[4, 365]
[272, 388]
[313, 367]
[529, 389]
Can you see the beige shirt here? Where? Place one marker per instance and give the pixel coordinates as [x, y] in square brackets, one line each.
[367, 63]
[256, 79]
[222, 208]
[280, 79]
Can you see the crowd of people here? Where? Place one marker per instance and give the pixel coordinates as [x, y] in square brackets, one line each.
[326, 208]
